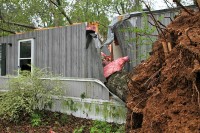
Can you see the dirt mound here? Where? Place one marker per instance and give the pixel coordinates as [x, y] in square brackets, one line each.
[164, 90]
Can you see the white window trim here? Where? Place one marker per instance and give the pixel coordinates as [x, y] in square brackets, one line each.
[32, 52]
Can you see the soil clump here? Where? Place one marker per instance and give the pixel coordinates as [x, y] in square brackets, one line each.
[164, 90]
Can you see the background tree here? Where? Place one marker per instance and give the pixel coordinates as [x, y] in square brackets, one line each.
[48, 13]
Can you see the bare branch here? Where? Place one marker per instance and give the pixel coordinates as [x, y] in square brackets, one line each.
[122, 6]
[169, 18]
[53, 3]
[157, 26]
[61, 10]
[161, 24]
[197, 3]
[153, 18]
[117, 10]
[179, 4]
[168, 3]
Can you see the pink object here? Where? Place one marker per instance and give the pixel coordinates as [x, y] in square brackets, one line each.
[51, 131]
[102, 54]
[115, 66]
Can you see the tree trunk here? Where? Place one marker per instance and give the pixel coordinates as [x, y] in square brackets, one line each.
[117, 84]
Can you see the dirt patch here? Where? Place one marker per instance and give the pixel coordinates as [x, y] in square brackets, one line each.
[164, 90]
[57, 122]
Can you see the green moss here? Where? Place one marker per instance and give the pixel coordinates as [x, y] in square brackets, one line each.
[97, 109]
[86, 105]
[70, 104]
[105, 110]
[83, 95]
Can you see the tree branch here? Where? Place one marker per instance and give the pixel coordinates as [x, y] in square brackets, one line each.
[117, 10]
[158, 27]
[178, 3]
[167, 2]
[8, 31]
[19, 24]
[61, 10]
[122, 6]
[161, 23]
[153, 18]
[197, 2]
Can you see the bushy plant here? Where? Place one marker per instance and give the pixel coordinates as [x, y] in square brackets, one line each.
[28, 93]
[64, 119]
[79, 130]
[36, 119]
[100, 127]
[104, 127]
[120, 129]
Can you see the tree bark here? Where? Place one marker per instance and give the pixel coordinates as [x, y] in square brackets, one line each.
[59, 6]
[117, 84]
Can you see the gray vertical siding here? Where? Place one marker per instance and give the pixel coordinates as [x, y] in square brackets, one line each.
[139, 52]
[60, 50]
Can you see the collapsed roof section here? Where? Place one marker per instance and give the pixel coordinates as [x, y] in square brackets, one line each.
[135, 33]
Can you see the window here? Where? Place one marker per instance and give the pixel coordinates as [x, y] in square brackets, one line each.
[25, 54]
[2, 59]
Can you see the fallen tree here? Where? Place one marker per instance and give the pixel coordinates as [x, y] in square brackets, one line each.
[163, 92]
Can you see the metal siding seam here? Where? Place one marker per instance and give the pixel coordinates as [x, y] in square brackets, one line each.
[45, 54]
[62, 39]
[50, 36]
[83, 57]
[72, 58]
[79, 41]
[69, 50]
[66, 52]
[77, 28]
[43, 46]
[53, 48]
[56, 50]
[73, 54]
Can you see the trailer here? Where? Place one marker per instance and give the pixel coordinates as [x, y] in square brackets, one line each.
[71, 53]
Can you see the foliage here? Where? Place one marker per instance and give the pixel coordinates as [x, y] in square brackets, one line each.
[104, 127]
[140, 36]
[27, 93]
[44, 13]
[120, 129]
[101, 11]
[83, 95]
[36, 119]
[79, 130]
[63, 119]
[100, 127]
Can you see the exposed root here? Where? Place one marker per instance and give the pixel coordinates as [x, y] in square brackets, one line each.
[197, 91]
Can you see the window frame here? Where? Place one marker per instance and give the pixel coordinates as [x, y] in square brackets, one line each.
[32, 52]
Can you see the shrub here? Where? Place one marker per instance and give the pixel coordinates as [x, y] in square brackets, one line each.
[28, 93]
[104, 127]
[79, 130]
[100, 127]
[36, 119]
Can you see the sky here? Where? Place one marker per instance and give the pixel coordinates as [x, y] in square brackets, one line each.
[160, 4]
